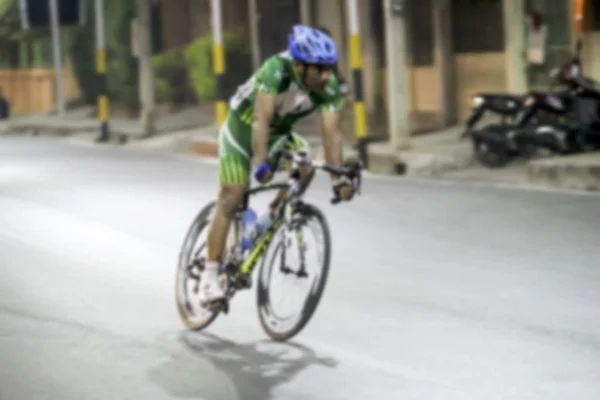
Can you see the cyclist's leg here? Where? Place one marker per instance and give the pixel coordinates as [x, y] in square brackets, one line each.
[234, 165]
[306, 173]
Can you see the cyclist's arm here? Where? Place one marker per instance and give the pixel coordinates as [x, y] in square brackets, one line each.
[332, 134]
[263, 111]
[268, 79]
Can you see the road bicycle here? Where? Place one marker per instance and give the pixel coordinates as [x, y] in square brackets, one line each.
[285, 228]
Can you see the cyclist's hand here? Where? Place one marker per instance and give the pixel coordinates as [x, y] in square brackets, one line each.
[263, 172]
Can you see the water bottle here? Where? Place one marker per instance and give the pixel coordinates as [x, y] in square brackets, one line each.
[248, 228]
[263, 222]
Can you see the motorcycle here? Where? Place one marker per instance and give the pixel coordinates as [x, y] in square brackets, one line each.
[507, 106]
[495, 146]
[569, 126]
[576, 131]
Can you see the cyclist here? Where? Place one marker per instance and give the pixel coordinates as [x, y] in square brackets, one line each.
[344, 89]
[286, 88]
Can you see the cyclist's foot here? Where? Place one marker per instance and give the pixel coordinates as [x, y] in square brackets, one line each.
[210, 285]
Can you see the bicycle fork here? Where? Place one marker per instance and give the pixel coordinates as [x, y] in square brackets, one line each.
[292, 234]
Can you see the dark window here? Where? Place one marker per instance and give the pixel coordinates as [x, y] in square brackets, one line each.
[378, 25]
[477, 26]
[9, 54]
[420, 32]
[274, 36]
[595, 5]
[70, 12]
[156, 30]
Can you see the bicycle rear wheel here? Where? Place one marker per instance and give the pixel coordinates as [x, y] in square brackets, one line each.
[275, 326]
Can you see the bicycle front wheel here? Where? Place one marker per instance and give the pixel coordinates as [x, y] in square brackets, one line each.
[278, 259]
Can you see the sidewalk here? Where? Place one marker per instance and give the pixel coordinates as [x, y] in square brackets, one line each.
[432, 154]
[439, 154]
[80, 121]
[193, 131]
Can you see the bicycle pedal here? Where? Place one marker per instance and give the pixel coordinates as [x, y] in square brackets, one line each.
[244, 281]
[218, 306]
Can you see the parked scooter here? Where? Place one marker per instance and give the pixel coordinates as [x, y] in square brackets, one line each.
[579, 128]
[489, 141]
[574, 118]
[507, 106]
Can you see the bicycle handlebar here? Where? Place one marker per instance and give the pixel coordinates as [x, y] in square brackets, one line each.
[353, 170]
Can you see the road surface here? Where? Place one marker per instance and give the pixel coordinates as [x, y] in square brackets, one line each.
[436, 292]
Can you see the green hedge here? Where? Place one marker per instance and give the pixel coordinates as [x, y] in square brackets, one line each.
[171, 83]
[82, 51]
[180, 74]
[238, 64]
[121, 67]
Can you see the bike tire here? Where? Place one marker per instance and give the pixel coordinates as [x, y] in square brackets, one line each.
[198, 225]
[262, 293]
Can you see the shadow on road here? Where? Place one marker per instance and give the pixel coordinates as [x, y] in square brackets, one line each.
[218, 368]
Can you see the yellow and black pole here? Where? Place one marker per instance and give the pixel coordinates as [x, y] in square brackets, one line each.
[101, 72]
[219, 60]
[360, 119]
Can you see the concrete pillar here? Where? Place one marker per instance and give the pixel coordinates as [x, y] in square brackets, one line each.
[514, 45]
[444, 60]
[145, 69]
[399, 91]
[330, 14]
[254, 34]
[305, 12]
[371, 77]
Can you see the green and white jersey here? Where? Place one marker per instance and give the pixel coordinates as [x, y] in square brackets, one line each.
[293, 101]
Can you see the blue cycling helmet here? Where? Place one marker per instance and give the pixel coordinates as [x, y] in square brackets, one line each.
[312, 46]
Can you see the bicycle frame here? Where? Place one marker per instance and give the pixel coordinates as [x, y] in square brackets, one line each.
[285, 210]
[260, 248]
[292, 199]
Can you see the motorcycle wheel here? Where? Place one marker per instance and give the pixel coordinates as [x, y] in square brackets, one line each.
[489, 157]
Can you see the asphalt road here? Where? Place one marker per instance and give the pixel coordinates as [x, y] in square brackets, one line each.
[436, 291]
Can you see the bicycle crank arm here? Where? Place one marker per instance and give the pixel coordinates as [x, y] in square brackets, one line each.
[219, 306]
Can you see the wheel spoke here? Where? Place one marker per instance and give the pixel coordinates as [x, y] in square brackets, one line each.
[199, 252]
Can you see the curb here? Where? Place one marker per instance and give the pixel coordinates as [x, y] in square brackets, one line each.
[205, 148]
[40, 127]
[209, 148]
[415, 164]
[579, 172]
